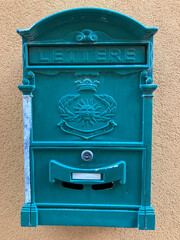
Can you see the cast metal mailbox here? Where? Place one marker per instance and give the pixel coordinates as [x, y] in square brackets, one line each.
[87, 109]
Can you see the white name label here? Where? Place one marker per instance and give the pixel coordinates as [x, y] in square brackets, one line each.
[86, 176]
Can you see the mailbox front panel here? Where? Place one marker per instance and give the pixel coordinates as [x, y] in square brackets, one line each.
[62, 112]
[87, 98]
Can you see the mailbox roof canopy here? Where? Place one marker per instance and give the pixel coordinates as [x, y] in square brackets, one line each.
[87, 14]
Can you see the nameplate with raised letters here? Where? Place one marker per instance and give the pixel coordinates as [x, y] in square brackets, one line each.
[91, 54]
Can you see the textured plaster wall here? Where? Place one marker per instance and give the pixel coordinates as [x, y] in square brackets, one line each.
[166, 151]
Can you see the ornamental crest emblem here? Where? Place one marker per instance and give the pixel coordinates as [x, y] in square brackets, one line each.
[87, 114]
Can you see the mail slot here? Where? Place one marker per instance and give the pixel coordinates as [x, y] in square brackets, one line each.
[87, 111]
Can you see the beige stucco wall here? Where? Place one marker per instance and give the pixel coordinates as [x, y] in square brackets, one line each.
[166, 151]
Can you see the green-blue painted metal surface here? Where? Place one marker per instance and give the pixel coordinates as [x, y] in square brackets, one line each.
[87, 80]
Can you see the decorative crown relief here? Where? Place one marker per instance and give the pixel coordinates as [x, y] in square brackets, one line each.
[87, 84]
[87, 114]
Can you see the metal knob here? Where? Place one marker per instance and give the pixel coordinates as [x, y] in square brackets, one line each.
[87, 155]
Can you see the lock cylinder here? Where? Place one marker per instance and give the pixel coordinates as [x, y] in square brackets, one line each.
[87, 155]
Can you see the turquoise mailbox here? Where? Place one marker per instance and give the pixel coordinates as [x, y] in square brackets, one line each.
[87, 108]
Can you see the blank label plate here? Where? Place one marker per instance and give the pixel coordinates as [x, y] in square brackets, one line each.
[86, 176]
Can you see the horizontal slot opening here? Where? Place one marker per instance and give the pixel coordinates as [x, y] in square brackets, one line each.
[72, 185]
[102, 186]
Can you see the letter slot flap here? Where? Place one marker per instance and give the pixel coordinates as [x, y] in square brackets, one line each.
[111, 173]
